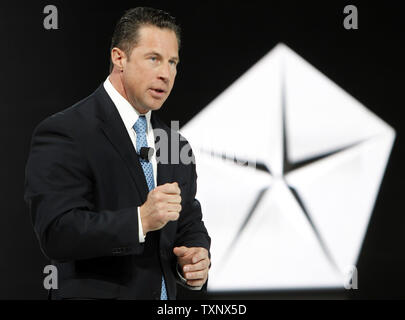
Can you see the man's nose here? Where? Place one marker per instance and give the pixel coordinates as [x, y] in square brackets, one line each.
[164, 72]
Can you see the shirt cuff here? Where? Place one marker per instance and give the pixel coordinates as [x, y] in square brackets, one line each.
[140, 231]
[183, 281]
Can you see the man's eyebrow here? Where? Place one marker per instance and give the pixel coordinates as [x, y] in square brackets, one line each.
[159, 55]
[153, 53]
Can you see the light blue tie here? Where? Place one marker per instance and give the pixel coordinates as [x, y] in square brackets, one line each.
[140, 129]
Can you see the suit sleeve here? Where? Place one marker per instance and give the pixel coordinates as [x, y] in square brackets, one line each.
[58, 190]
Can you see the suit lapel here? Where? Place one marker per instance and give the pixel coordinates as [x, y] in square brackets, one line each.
[114, 129]
[164, 170]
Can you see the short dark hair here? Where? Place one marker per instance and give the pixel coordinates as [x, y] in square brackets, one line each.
[126, 32]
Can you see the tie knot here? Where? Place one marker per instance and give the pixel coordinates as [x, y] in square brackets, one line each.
[140, 125]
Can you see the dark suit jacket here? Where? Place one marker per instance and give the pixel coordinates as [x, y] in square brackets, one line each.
[83, 185]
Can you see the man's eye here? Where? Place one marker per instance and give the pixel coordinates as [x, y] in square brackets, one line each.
[173, 63]
[153, 59]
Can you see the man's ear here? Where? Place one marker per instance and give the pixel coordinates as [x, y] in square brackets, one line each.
[118, 58]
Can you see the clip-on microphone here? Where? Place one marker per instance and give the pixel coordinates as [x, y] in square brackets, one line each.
[146, 153]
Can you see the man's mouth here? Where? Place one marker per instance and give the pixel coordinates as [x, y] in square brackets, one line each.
[157, 92]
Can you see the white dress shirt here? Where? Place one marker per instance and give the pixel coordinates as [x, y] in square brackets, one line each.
[129, 116]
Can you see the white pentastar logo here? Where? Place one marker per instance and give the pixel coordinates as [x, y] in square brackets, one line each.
[297, 218]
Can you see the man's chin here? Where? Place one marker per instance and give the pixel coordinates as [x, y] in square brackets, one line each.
[156, 105]
[150, 107]
[155, 108]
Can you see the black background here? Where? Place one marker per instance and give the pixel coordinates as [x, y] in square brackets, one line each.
[44, 71]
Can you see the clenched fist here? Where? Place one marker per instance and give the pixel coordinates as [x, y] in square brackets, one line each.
[162, 205]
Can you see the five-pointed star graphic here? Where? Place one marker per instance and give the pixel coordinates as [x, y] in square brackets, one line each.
[289, 167]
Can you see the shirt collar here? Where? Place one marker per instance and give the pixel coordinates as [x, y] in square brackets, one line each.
[128, 113]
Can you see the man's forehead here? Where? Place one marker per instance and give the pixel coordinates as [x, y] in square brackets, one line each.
[152, 36]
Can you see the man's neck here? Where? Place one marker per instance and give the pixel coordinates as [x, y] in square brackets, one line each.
[116, 81]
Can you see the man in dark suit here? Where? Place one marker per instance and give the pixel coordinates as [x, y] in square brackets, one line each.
[119, 223]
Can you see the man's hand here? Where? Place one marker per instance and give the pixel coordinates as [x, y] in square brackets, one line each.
[194, 263]
[162, 205]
